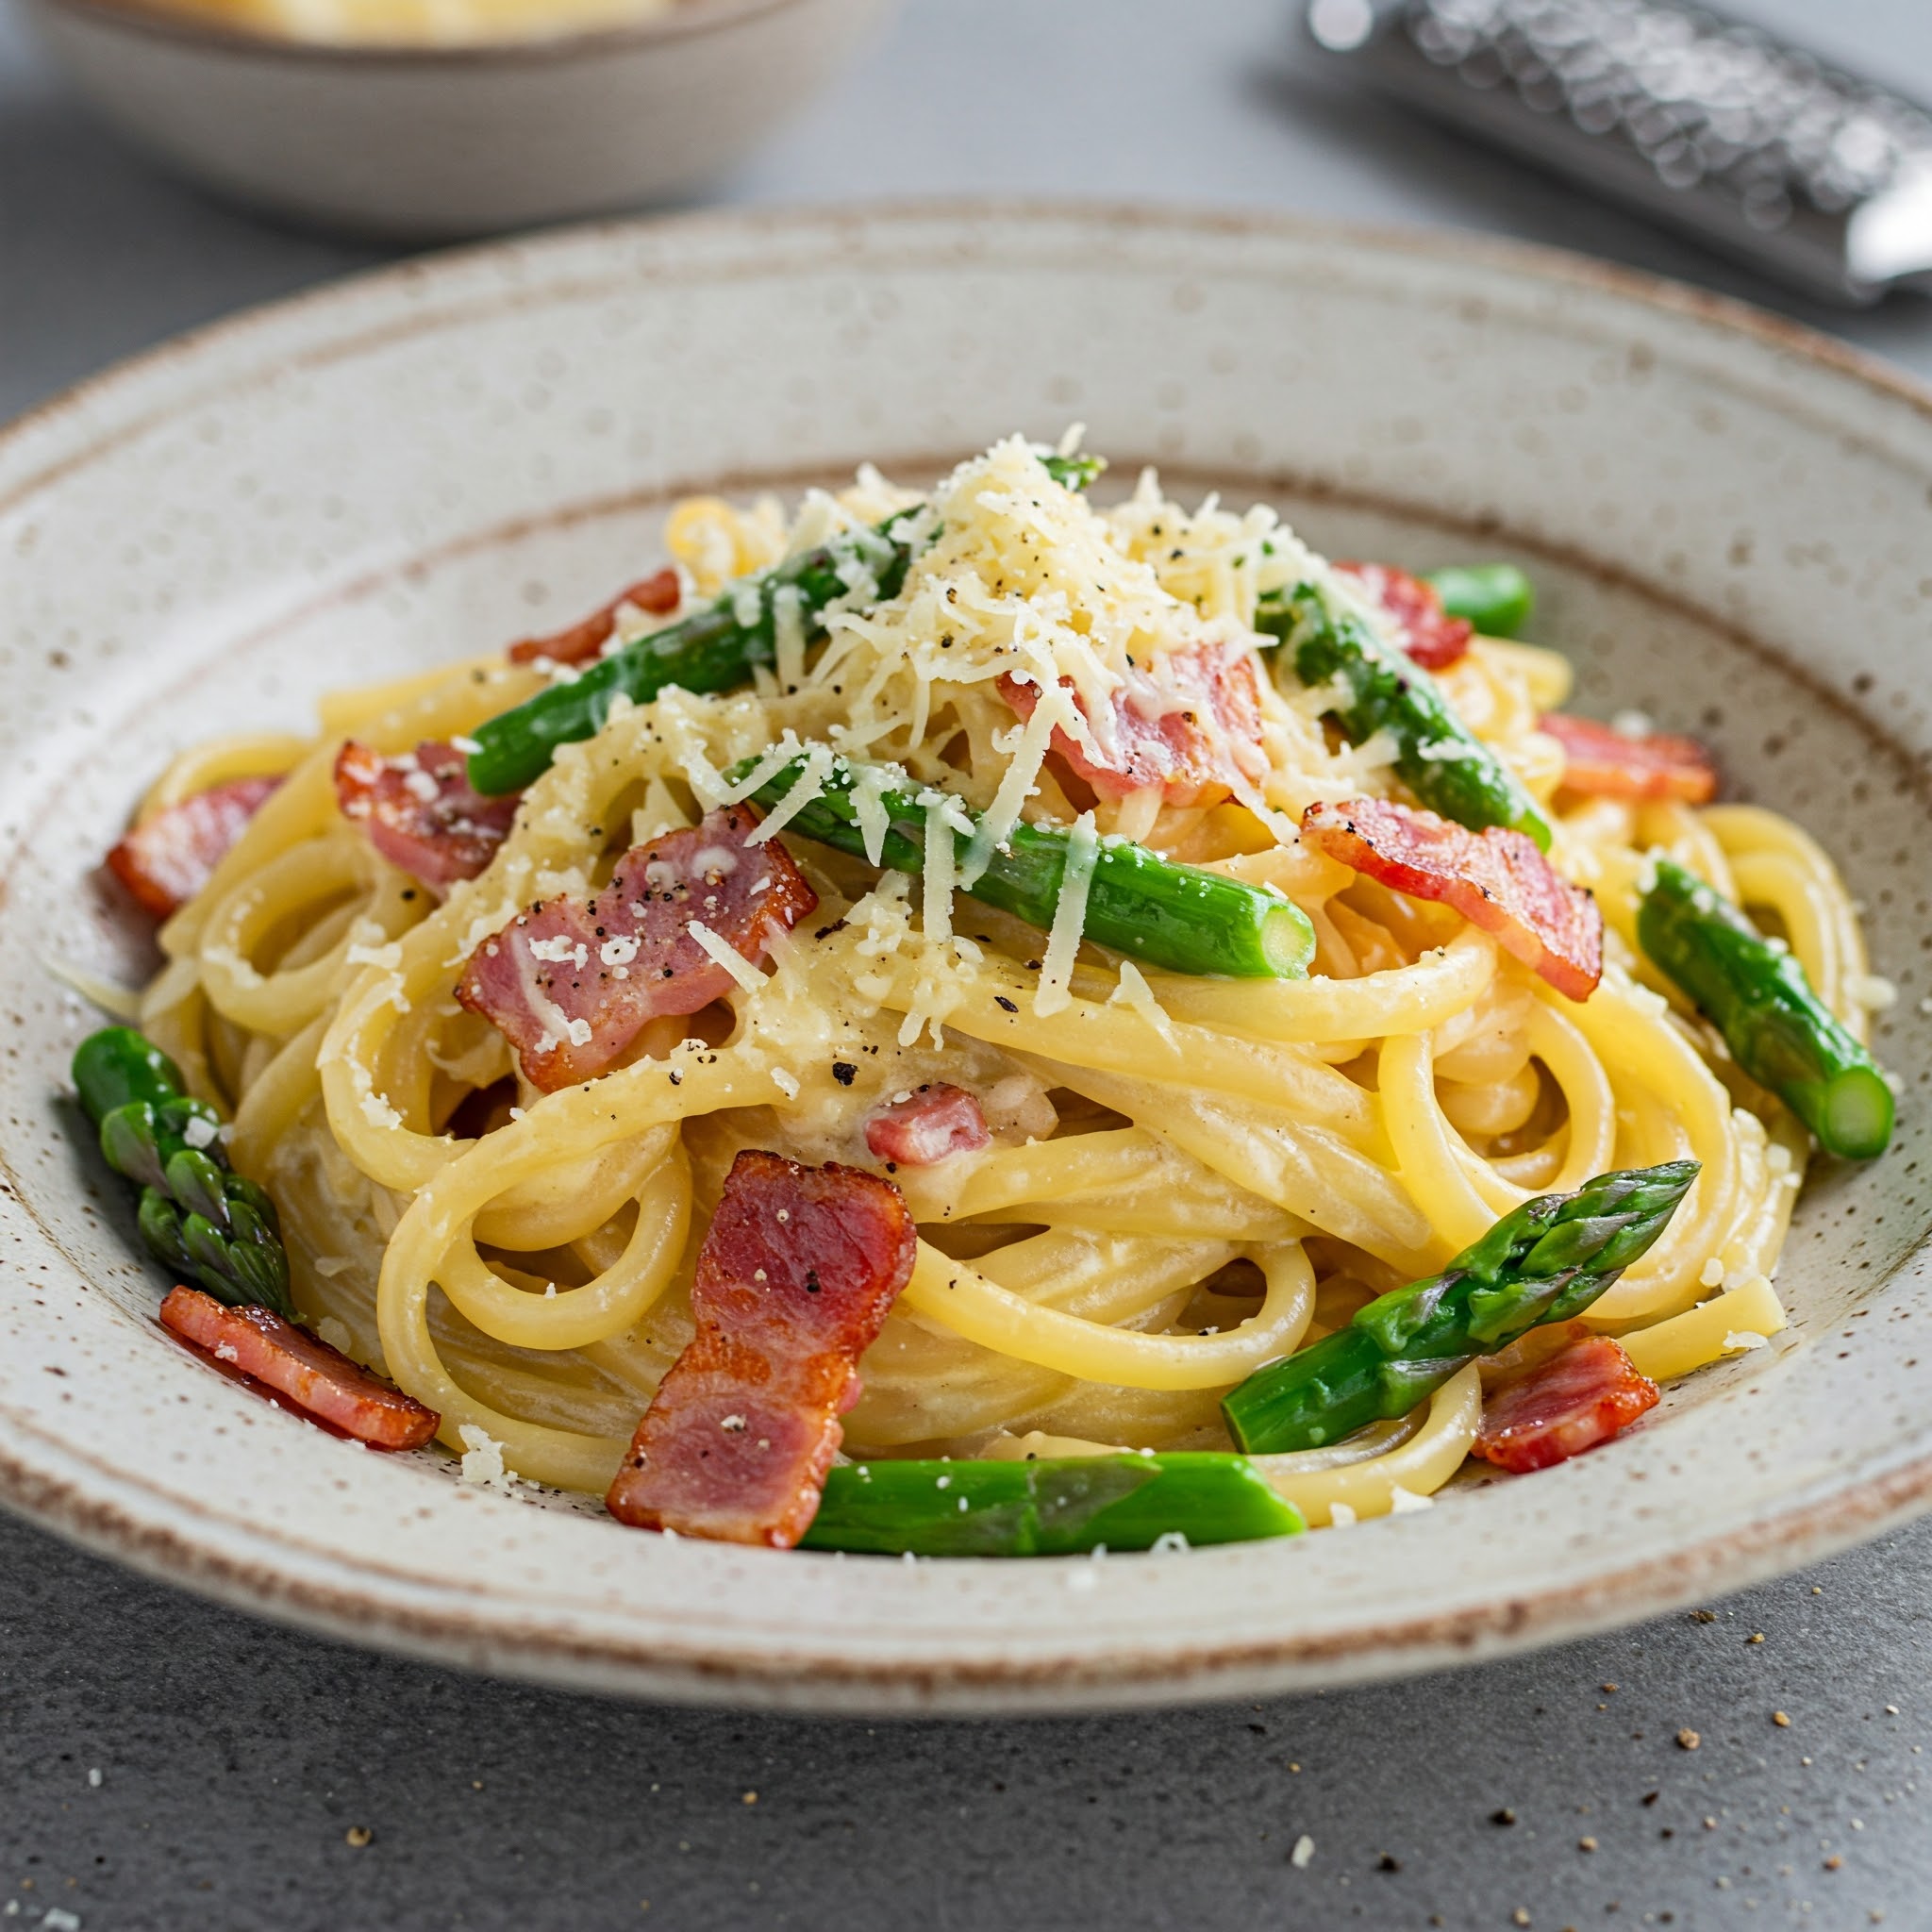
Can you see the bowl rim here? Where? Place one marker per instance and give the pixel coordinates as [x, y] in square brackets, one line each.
[54, 1488]
[1445, 241]
[684, 20]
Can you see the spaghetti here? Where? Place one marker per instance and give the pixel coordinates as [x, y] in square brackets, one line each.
[1162, 1181]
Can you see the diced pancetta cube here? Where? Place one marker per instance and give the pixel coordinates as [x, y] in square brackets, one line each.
[1573, 1402]
[927, 1126]
[421, 811]
[1496, 879]
[259, 1346]
[166, 860]
[1189, 721]
[799, 1271]
[572, 982]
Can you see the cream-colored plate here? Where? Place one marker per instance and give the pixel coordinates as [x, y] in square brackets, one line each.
[1728, 518]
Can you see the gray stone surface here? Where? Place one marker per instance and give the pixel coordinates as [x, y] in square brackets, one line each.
[235, 1757]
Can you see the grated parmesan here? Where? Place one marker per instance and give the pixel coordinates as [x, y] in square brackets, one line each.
[767, 767]
[1069, 919]
[788, 636]
[122, 1002]
[376, 1109]
[935, 905]
[483, 1467]
[809, 785]
[728, 957]
[1135, 994]
[1870, 991]
[869, 787]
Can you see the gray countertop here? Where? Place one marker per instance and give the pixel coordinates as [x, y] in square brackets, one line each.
[169, 1764]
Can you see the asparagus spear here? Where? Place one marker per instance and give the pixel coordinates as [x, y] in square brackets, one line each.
[1778, 1029]
[716, 648]
[1175, 916]
[1379, 689]
[1495, 597]
[1051, 1507]
[1546, 1262]
[196, 1214]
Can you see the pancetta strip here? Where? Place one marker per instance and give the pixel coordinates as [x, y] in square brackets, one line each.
[1496, 879]
[659, 594]
[421, 812]
[1571, 1403]
[794, 1282]
[1189, 721]
[571, 983]
[928, 1127]
[166, 860]
[1600, 763]
[1429, 634]
[259, 1346]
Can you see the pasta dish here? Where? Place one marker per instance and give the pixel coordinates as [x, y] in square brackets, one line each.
[979, 1020]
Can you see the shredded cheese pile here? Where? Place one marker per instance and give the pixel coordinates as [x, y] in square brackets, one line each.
[412, 22]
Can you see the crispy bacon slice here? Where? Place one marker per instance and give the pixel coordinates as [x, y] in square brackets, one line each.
[258, 1346]
[419, 811]
[928, 1127]
[1602, 762]
[1496, 879]
[1429, 634]
[571, 983]
[661, 593]
[1191, 724]
[795, 1280]
[1571, 1403]
[165, 860]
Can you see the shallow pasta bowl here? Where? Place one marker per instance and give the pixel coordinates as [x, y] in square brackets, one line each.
[1725, 515]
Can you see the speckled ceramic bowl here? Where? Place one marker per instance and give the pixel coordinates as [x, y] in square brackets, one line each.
[1729, 519]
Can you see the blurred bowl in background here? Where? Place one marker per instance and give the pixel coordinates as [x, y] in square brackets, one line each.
[435, 142]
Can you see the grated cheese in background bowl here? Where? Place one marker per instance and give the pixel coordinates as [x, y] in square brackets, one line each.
[417, 23]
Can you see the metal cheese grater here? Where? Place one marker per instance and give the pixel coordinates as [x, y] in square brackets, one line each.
[1812, 175]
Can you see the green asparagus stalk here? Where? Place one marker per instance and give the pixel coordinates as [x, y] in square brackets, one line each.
[1177, 916]
[1379, 689]
[1548, 1261]
[1497, 598]
[717, 648]
[1051, 1507]
[1778, 1029]
[196, 1214]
